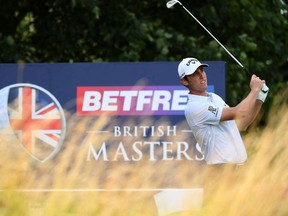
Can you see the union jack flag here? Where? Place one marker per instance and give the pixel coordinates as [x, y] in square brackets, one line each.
[36, 121]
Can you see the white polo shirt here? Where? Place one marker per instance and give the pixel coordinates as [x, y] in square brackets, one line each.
[220, 141]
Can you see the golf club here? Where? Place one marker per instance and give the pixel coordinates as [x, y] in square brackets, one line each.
[171, 3]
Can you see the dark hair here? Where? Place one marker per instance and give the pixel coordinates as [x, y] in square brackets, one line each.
[185, 78]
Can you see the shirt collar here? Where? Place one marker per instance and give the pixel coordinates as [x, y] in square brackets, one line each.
[200, 97]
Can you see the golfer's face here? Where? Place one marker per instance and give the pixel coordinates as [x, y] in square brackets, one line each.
[198, 81]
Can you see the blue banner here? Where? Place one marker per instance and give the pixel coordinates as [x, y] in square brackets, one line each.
[116, 113]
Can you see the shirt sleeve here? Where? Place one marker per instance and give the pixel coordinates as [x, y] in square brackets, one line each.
[205, 113]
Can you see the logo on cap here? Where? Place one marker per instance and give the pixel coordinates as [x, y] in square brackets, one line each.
[193, 61]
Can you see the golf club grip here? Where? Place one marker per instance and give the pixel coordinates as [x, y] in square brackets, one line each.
[247, 71]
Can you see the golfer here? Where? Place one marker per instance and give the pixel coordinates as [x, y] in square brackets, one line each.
[214, 124]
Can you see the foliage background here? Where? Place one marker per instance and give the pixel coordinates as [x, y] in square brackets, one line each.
[255, 32]
[33, 31]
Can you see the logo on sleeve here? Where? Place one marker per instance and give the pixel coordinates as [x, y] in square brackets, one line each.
[213, 110]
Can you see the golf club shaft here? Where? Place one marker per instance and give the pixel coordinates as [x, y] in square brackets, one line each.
[171, 3]
[245, 69]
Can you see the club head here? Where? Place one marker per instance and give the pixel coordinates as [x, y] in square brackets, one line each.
[171, 3]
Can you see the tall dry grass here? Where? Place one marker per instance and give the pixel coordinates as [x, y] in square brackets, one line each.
[260, 187]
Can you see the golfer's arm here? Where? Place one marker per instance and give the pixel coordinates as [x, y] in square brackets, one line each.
[245, 112]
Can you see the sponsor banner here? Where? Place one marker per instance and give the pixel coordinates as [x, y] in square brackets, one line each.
[108, 117]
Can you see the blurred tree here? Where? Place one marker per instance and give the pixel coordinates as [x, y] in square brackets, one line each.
[256, 32]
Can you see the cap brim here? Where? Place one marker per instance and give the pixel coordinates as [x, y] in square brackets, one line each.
[204, 65]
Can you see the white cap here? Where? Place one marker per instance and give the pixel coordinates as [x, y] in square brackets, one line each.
[188, 66]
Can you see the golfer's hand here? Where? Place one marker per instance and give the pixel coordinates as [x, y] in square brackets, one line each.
[256, 83]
